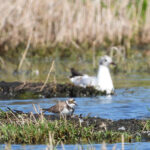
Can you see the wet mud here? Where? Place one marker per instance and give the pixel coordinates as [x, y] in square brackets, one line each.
[16, 90]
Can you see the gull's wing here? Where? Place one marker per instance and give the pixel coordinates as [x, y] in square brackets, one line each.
[84, 81]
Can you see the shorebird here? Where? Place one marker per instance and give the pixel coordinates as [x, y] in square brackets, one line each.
[101, 82]
[63, 108]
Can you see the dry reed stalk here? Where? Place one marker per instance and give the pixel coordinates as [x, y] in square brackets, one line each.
[7, 146]
[62, 145]
[41, 114]
[17, 119]
[25, 52]
[51, 144]
[2, 62]
[104, 146]
[32, 116]
[122, 141]
[50, 70]
[114, 147]
[35, 109]
[8, 117]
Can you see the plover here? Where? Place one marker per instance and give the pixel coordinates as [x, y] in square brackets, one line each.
[102, 82]
[64, 108]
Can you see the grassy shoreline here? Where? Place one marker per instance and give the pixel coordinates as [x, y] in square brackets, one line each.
[30, 129]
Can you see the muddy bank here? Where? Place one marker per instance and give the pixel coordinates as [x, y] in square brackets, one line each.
[9, 90]
[133, 127]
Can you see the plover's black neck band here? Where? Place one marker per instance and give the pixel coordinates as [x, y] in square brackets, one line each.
[68, 107]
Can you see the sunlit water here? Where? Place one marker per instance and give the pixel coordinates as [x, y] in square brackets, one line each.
[117, 146]
[125, 104]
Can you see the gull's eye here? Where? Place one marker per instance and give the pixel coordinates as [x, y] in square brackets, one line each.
[105, 60]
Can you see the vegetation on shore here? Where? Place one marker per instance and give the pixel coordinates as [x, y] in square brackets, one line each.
[28, 129]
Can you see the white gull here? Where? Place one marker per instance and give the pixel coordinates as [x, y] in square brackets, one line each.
[103, 81]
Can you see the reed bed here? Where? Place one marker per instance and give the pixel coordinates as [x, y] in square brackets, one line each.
[96, 22]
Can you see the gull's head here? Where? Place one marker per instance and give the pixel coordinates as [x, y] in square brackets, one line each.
[71, 102]
[106, 61]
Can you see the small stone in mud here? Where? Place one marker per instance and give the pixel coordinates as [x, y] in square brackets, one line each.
[122, 128]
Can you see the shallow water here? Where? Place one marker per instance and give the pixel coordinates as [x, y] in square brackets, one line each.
[117, 146]
[125, 104]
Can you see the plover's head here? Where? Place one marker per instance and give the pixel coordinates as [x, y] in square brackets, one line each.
[106, 61]
[71, 102]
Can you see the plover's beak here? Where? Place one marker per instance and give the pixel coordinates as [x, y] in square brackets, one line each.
[112, 63]
[76, 104]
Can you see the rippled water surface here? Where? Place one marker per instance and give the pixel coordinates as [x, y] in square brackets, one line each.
[131, 102]
[126, 103]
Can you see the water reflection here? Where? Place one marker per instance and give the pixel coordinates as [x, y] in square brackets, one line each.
[116, 146]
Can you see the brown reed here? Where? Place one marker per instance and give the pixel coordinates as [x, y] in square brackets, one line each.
[77, 21]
